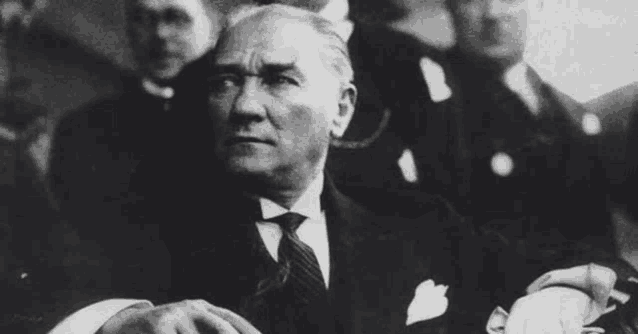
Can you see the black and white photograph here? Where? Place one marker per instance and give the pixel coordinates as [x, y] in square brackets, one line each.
[319, 166]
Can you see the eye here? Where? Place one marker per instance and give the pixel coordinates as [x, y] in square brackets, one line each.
[280, 80]
[143, 17]
[177, 17]
[222, 82]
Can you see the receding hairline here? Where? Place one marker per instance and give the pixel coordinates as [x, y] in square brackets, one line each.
[210, 6]
[332, 48]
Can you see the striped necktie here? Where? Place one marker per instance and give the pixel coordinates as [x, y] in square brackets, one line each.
[298, 261]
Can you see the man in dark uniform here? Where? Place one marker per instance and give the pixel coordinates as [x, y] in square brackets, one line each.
[96, 149]
[509, 150]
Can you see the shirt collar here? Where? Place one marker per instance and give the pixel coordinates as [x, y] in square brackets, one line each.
[156, 90]
[516, 78]
[308, 205]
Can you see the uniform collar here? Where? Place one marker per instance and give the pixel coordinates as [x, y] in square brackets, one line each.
[515, 78]
[156, 90]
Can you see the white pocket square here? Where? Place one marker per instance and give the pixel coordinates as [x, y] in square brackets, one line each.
[429, 302]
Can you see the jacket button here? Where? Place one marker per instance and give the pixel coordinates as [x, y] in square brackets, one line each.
[502, 164]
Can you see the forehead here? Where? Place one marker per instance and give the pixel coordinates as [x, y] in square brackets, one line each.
[189, 6]
[272, 40]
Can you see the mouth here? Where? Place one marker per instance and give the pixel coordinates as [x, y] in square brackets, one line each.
[163, 55]
[247, 140]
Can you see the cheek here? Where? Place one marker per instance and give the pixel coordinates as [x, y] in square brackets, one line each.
[305, 131]
[219, 110]
[198, 39]
[139, 37]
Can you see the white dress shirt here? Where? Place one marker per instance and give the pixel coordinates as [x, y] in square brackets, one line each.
[517, 80]
[313, 231]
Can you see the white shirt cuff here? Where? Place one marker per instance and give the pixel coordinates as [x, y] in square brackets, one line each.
[91, 318]
[595, 279]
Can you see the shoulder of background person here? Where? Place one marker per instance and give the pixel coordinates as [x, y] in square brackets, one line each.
[389, 42]
[99, 112]
[616, 107]
[617, 112]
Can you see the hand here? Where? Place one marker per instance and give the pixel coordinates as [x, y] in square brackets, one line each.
[552, 310]
[189, 316]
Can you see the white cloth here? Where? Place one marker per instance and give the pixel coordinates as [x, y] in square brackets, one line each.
[91, 318]
[313, 231]
[517, 80]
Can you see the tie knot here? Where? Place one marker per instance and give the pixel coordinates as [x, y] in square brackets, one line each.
[289, 221]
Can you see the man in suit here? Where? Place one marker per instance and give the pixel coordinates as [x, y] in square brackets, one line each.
[270, 237]
[509, 150]
[96, 149]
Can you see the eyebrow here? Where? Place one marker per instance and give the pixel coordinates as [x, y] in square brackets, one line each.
[266, 69]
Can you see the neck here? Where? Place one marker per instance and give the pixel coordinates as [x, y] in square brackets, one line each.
[283, 191]
[158, 82]
[486, 67]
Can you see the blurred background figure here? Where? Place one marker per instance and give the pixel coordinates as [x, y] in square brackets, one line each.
[518, 154]
[23, 199]
[97, 148]
[619, 150]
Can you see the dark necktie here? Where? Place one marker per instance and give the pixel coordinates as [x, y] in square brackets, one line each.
[298, 261]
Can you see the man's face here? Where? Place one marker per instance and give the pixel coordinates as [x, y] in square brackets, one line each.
[492, 29]
[168, 34]
[274, 101]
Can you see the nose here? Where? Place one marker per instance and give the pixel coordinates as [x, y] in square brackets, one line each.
[163, 30]
[250, 100]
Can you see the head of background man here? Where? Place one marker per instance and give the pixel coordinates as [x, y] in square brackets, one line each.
[281, 88]
[165, 35]
[493, 31]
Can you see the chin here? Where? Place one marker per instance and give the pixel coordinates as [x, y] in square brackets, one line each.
[163, 71]
[502, 54]
[248, 166]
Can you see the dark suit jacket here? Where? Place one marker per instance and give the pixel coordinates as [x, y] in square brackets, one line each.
[207, 246]
[618, 147]
[557, 184]
[389, 80]
[96, 149]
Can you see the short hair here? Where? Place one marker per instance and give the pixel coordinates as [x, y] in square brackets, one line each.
[335, 52]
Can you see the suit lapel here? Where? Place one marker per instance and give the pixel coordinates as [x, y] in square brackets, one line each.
[220, 257]
[375, 267]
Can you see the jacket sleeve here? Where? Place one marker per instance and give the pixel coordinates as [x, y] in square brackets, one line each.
[61, 274]
[513, 268]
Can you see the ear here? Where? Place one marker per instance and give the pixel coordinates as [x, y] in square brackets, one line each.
[346, 110]
[496, 322]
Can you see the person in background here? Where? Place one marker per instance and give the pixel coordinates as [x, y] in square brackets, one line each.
[510, 151]
[95, 150]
